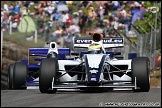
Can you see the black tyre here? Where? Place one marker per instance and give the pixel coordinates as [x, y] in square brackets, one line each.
[141, 70]
[19, 75]
[48, 70]
[10, 76]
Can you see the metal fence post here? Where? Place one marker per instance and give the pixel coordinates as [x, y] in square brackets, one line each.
[155, 35]
[141, 45]
[151, 38]
[126, 51]
[138, 40]
[152, 46]
[10, 27]
[36, 37]
[1, 46]
[145, 39]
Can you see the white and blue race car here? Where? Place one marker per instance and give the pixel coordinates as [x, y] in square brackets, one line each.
[88, 70]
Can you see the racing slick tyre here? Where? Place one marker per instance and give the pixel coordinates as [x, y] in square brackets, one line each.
[10, 77]
[141, 70]
[19, 75]
[48, 70]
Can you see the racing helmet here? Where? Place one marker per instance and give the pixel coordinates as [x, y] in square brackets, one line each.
[95, 49]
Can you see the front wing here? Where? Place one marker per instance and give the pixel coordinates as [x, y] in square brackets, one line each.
[105, 84]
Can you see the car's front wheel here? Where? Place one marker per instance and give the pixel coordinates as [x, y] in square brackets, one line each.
[48, 70]
[141, 71]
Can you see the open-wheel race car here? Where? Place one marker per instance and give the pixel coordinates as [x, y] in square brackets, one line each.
[92, 69]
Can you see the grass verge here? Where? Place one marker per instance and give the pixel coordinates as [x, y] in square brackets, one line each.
[20, 39]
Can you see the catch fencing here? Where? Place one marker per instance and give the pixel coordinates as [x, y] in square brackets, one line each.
[129, 46]
[147, 45]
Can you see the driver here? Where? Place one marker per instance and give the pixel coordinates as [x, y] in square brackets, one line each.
[95, 49]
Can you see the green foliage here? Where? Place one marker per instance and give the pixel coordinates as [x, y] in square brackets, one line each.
[149, 18]
[148, 3]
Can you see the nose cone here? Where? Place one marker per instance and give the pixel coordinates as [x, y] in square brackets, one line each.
[94, 66]
[93, 75]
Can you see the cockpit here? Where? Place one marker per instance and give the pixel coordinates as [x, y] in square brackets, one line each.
[95, 49]
[95, 52]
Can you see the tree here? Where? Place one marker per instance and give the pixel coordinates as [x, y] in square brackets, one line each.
[149, 17]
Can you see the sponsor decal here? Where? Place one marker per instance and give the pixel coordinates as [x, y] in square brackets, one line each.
[93, 79]
[93, 71]
[105, 41]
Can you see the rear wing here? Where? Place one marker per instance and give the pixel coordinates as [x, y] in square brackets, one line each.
[107, 42]
[44, 51]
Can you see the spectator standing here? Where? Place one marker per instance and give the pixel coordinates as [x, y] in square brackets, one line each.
[116, 5]
[137, 15]
[16, 16]
[83, 21]
[89, 4]
[101, 13]
[56, 17]
[14, 25]
[2, 14]
[55, 34]
[105, 10]
[26, 4]
[91, 13]
[17, 7]
[84, 4]
[76, 18]
[25, 11]
[73, 29]
[68, 41]
[5, 6]
[60, 39]
[64, 16]
[50, 10]
[133, 10]
[123, 11]
[40, 7]
[69, 20]
[47, 32]
[115, 23]
[11, 7]
[9, 19]
[106, 7]
[80, 14]
[110, 5]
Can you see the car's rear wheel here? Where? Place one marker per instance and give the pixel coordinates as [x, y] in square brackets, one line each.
[48, 70]
[141, 71]
[19, 75]
[10, 76]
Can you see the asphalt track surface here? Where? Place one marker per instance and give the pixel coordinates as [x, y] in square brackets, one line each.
[62, 98]
[28, 98]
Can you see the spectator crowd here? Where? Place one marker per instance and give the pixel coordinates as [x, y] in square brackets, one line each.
[69, 23]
